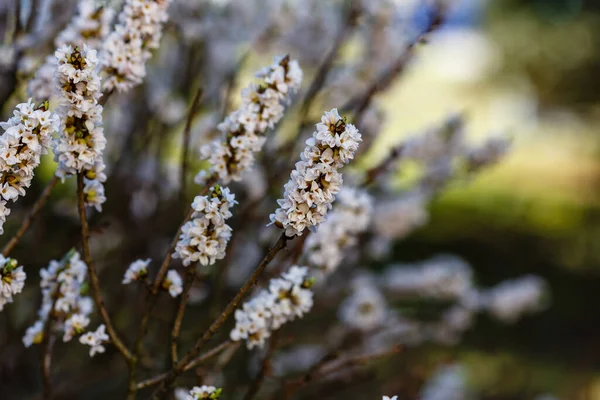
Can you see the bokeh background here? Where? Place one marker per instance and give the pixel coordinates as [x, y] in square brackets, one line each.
[527, 69]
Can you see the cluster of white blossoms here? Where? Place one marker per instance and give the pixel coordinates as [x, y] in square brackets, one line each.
[79, 147]
[350, 216]
[243, 131]
[199, 393]
[12, 280]
[90, 25]
[288, 297]
[511, 299]
[127, 49]
[316, 180]
[27, 135]
[95, 340]
[204, 238]
[62, 284]
[137, 270]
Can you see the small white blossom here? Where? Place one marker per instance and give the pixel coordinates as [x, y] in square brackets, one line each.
[448, 383]
[204, 238]
[316, 180]
[95, 340]
[12, 280]
[204, 392]
[287, 297]
[173, 283]
[137, 270]
[243, 131]
[75, 325]
[34, 334]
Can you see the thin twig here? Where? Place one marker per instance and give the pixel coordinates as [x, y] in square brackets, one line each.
[93, 274]
[203, 357]
[37, 207]
[186, 142]
[190, 278]
[265, 369]
[214, 327]
[32, 17]
[47, 344]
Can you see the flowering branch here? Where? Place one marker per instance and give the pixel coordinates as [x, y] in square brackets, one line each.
[214, 327]
[35, 210]
[93, 274]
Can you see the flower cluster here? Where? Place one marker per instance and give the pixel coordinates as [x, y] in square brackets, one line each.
[203, 392]
[90, 26]
[95, 340]
[511, 299]
[79, 147]
[137, 270]
[204, 238]
[62, 285]
[243, 130]
[12, 280]
[351, 216]
[127, 49]
[27, 136]
[316, 180]
[288, 297]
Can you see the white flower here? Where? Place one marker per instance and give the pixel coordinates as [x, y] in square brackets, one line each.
[127, 49]
[95, 340]
[12, 280]
[75, 325]
[365, 309]
[34, 334]
[243, 130]
[314, 183]
[204, 392]
[204, 238]
[136, 271]
[288, 297]
[173, 283]
[390, 398]
[80, 145]
[26, 138]
[448, 383]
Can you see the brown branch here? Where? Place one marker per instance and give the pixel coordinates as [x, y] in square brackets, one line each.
[373, 173]
[203, 357]
[186, 142]
[37, 207]
[93, 274]
[190, 278]
[214, 327]
[265, 369]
